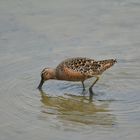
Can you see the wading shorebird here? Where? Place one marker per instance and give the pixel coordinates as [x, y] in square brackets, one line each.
[77, 69]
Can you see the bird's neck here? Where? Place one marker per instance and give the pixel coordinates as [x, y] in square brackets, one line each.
[53, 74]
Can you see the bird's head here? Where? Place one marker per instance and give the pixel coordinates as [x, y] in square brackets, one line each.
[46, 74]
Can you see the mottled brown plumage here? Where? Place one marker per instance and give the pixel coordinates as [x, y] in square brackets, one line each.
[77, 69]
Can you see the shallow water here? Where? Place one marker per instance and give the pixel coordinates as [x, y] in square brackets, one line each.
[35, 34]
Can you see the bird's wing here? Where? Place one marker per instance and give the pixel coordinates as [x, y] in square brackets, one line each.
[88, 67]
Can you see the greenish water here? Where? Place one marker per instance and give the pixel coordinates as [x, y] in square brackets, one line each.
[35, 34]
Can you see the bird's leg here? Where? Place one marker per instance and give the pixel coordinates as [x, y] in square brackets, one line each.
[84, 90]
[83, 85]
[90, 89]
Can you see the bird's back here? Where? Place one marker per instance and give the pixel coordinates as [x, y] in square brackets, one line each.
[79, 69]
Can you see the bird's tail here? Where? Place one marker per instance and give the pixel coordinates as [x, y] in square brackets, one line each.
[105, 64]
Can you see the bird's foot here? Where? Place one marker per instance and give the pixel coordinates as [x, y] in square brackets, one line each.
[91, 91]
[84, 92]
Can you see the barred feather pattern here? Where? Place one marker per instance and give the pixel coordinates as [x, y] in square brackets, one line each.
[83, 67]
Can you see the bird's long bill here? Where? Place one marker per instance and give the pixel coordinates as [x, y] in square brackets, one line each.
[41, 83]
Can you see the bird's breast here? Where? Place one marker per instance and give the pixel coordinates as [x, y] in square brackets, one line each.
[65, 73]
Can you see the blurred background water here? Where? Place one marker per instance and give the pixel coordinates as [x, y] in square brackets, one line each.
[35, 34]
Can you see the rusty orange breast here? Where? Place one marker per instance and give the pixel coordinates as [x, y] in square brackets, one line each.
[70, 75]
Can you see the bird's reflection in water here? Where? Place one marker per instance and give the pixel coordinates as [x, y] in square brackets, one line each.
[80, 109]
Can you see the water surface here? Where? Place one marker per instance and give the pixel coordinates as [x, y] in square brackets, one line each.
[35, 34]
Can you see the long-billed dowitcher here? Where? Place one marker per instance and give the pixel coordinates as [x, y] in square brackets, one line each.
[77, 69]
